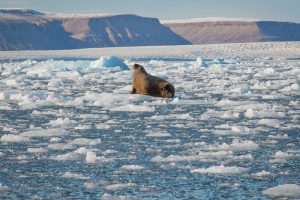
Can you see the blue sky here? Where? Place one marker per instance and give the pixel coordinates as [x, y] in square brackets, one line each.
[284, 10]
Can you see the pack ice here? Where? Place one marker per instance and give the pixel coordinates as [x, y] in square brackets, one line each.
[70, 129]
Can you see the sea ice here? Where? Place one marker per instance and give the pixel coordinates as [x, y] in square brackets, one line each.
[285, 190]
[75, 176]
[109, 62]
[221, 170]
[85, 141]
[132, 167]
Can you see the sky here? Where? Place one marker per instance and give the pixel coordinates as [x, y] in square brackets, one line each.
[282, 10]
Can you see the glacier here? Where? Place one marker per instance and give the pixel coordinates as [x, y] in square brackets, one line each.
[70, 129]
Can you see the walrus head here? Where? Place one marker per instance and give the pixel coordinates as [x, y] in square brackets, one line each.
[167, 90]
[138, 68]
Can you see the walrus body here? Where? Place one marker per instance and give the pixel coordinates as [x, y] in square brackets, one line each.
[146, 84]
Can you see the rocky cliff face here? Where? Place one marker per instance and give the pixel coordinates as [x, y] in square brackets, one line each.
[213, 32]
[33, 30]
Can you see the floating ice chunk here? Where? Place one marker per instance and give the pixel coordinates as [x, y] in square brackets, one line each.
[40, 132]
[200, 63]
[132, 167]
[85, 141]
[55, 139]
[61, 122]
[157, 62]
[83, 127]
[237, 145]
[109, 62]
[278, 160]
[11, 83]
[116, 197]
[91, 158]
[3, 187]
[242, 90]
[37, 150]
[202, 156]
[75, 176]
[74, 155]
[14, 138]
[185, 116]
[158, 134]
[285, 190]
[133, 108]
[263, 173]
[4, 96]
[118, 186]
[279, 136]
[59, 146]
[293, 87]
[218, 61]
[269, 71]
[230, 115]
[221, 170]
[251, 113]
[67, 156]
[284, 155]
[270, 122]
[103, 126]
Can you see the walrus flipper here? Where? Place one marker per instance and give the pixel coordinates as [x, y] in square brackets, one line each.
[133, 91]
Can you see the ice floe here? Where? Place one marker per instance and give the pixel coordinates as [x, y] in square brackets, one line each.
[285, 190]
[221, 170]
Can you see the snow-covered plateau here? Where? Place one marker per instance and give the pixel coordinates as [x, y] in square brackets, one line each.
[70, 129]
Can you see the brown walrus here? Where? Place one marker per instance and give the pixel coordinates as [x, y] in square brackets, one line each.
[146, 84]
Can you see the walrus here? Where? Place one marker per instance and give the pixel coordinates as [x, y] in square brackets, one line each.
[146, 84]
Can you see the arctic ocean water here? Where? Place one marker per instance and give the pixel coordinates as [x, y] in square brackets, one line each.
[70, 129]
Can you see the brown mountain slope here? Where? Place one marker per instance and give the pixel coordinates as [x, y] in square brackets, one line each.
[31, 30]
[236, 31]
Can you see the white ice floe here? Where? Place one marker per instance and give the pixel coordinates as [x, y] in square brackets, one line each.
[75, 176]
[14, 138]
[221, 170]
[85, 141]
[83, 127]
[116, 197]
[261, 174]
[158, 134]
[185, 116]
[132, 167]
[88, 155]
[61, 122]
[133, 108]
[3, 187]
[285, 191]
[103, 126]
[119, 186]
[237, 145]
[41, 132]
[200, 63]
[37, 150]
[109, 61]
[201, 156]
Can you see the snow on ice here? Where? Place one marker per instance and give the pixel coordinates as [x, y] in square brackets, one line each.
[69, 127]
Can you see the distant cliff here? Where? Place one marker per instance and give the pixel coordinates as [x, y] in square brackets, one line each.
[213, 32]
[22, 29]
